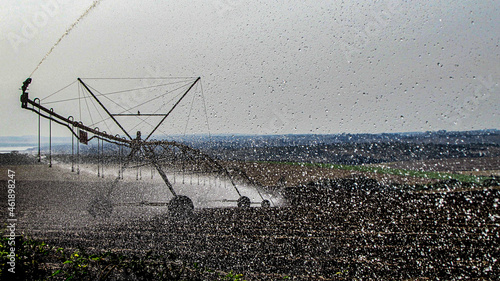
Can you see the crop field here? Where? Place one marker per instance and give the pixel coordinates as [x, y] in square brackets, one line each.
[396, 172]
[299, 173]
[328, 230]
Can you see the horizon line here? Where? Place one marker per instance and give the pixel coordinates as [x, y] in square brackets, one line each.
[284, 134]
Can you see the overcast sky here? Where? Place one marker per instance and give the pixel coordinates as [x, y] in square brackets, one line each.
[270, 67]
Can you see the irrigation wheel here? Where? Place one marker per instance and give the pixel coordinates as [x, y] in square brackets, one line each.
[244, 202]
[266, 204]
[180, 207]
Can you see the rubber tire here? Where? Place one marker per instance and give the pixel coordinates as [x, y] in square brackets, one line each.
[180, 207]
[100, 207]
[244, 202]
[266, 204]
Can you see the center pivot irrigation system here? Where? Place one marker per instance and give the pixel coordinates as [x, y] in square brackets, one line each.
[161, 155]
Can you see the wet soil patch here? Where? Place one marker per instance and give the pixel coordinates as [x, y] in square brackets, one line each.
[359, 234]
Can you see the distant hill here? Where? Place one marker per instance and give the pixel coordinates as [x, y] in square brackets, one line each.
[351, 149]
[490, 137]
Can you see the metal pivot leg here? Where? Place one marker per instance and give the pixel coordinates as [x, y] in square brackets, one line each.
[180, 206]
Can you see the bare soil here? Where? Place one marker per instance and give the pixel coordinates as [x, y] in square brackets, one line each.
[354, 233]
[479, 166]
[280, 174]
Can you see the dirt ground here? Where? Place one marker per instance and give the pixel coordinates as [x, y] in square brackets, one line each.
[378, 233]
[277, 174]
[484, 166]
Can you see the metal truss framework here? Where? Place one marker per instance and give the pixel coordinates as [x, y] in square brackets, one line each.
[156, 152]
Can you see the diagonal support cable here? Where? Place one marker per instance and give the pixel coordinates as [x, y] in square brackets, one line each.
[172, 109]
[105, 109]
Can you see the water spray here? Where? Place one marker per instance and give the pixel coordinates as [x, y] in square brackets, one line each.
[94, 4]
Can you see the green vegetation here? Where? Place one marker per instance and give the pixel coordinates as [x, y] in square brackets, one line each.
[36, 260]
[233, 277]
[397, 172]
